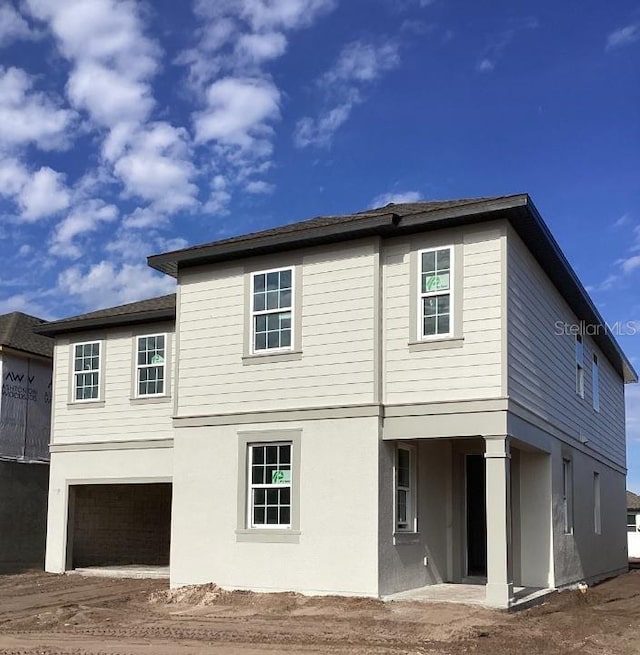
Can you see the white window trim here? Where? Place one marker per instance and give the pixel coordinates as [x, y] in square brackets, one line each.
[74, 372]
[253, 313]
[451, 292]
[138, 367]
[250, 486]
[412, 514]
[579, 365]
[567, 495]
[595, 382]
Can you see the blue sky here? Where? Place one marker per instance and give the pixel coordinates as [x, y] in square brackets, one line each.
[129, 128]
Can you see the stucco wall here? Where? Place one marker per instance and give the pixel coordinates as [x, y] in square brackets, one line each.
[143, 465]
[337, 549]
[402, 563]
[585, 554]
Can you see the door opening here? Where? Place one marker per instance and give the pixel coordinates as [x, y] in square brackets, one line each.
[476, 519]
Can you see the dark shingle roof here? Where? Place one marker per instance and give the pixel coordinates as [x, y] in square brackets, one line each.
[284, 234]
[143, 311]
[17, 331]
[633, 500]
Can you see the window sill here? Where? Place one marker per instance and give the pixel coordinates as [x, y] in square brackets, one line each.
[268, 536]
[406, 538]
[85, 403]
[150, 400]
[290, 356]
[436, 344]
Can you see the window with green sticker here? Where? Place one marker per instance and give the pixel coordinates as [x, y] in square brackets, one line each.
[435, 285]
[270, 485]
[151, 365]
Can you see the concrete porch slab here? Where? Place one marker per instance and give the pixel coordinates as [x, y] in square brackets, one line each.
[136, 571]
[468, 594]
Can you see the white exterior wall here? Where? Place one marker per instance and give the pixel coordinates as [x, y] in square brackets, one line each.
[336, 367]
[95, 467]
[633, 540]
[118, 416]
[337, 549]
[441, 374]
[542, 375]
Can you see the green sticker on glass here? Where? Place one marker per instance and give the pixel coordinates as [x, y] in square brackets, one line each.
[435, 282]
[157, 359]
[281, 477]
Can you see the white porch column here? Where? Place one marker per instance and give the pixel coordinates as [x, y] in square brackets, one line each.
[499, 573]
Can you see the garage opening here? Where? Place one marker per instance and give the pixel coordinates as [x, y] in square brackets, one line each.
[119, 524]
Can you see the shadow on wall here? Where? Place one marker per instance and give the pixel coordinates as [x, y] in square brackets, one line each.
[23, 516]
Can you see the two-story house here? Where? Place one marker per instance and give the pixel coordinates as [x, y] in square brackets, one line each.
[358, 404]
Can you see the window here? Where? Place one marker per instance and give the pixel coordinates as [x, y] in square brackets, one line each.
[597, 522]
[86, 371]
[435, 290]
[567, 495]
[150, 365]
[579, 366]
[595, 381]
[631, 523]
[405, 490]
[272, 309]
[269, 485]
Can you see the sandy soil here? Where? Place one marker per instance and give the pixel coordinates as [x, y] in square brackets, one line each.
[70, 615]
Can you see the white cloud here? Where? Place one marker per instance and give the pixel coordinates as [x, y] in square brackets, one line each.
[256, 48]
[112, 65]
[622, 221]
[25, 303]
[105, 284]
[485, 65]
[238, 112]
[359, 64]
[497, 43]
[86, 217]
[396, 197]
[258, 186]
[13, 26]
[220, 197]
[44, 194]
[630, 264]
[632, 394]
[623, 36]
[28, 116]
[157, 168]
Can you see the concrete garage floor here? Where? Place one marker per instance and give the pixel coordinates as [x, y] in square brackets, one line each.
[131, 571]
[468, 594]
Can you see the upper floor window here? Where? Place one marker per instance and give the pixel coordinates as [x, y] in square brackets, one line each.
[272, 310]
[595, 381]
[631, 523]
[86, 370]
[151, 365]
[579, 366]
[435, 284]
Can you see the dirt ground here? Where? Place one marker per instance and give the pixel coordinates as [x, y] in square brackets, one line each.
[44, 614]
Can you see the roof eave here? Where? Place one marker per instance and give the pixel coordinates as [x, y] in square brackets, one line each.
[381, 224]
[57, 328]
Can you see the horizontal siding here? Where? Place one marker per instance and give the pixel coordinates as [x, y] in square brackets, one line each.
[337, 339]
[118, 419]
[541, 363]
[442, 374]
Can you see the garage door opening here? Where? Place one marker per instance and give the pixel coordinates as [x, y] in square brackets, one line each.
[119, 525]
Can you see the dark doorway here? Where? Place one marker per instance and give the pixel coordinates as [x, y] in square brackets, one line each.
[116, 524]
[476, 516]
